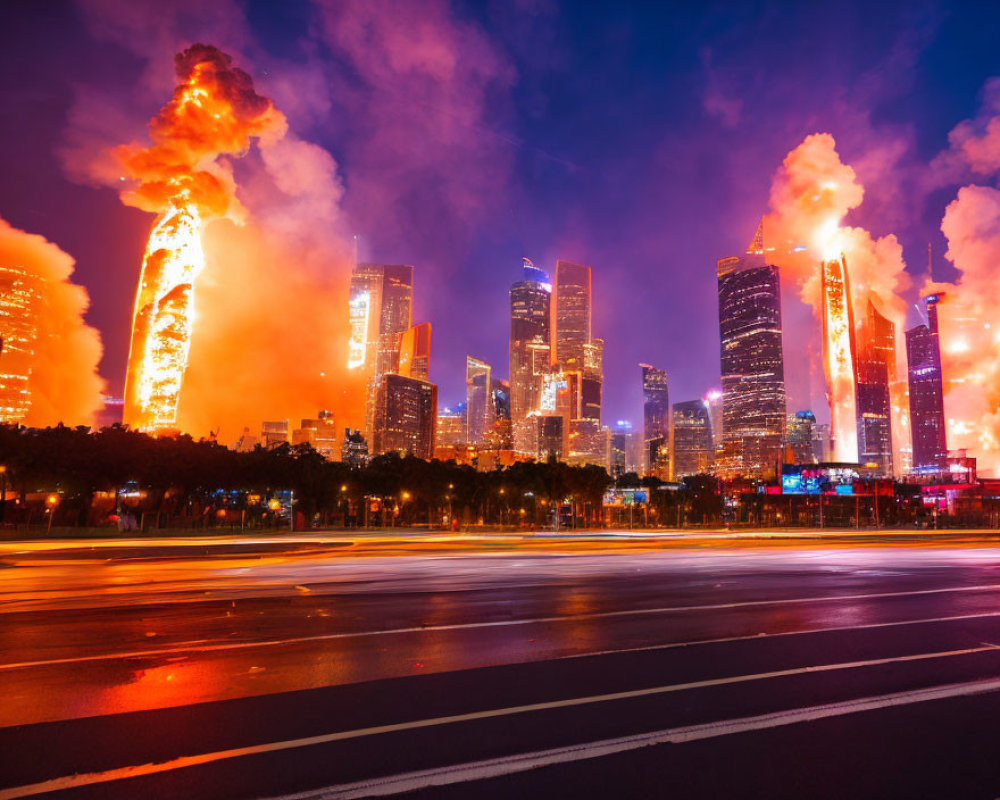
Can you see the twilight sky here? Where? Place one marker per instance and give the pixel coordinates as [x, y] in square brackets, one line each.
[637, 138]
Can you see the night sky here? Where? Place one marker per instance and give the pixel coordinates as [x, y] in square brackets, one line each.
[638, 138]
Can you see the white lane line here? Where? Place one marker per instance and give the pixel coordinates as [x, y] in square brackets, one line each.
[122, 773]
[491, 768]
[222, 646]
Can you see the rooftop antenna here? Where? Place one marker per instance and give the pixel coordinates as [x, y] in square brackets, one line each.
[757, 243]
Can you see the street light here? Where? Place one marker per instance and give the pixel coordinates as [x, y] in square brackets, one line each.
[51, 501]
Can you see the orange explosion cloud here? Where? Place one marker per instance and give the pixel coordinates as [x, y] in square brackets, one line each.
[64, 385]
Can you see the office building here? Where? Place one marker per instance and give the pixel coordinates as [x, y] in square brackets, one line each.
[530, 348]
[21, 299]
[405, 416]
[571, 315]
[876, 371]
[840, 359]
[927, 420]
[273, 434]
[478, 400]
[657, 421]
[753, 375]
[693, 449]
[415, 352]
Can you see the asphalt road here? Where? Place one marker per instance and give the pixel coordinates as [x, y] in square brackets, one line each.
[323, 667]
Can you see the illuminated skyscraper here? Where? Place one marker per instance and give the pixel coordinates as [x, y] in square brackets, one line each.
[415, 352]
[657, 420]
[479, 403]
[21, 298]
[840, 359]
[800, 431]
[405, 416]
[753, 374]
[623, 455]
[927, 420]
[530, 348]
[876, 371]
[381, 301]
[693, 450]
[571, 315]
[451, 427]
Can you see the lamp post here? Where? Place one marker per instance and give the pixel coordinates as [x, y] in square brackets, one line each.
[51, 502]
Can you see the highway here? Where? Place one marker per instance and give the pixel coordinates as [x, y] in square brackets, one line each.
[587, 665]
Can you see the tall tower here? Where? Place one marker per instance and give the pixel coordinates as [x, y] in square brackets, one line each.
[840, 359]
[405, 416]
[21, 297]
[693, 450]
[479, 400]
[571, 315]
[381, 301]
[753, 372]
[927, 420]
[876, 371]
[530, 349]
[656, 421]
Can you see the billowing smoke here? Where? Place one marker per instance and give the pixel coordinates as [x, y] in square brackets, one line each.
[268, 328]
[811, 195]
[64, 385]
[214, 111]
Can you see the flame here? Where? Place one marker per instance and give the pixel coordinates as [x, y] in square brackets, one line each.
[214, 111]
[839, 351]
[163, 319]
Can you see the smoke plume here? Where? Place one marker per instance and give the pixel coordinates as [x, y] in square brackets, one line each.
[64, 383]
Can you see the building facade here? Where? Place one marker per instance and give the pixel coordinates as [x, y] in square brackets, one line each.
[405, 416]
[21, 298]
[693, 449]
[876, 371]
[478, 399]
[927, 420]
[571, 315]
[415, 352]
[530, 348]
[752, 365]
[657, 421]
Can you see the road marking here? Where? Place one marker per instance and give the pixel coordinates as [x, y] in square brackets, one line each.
[508, 765]
[223, 646]
[123, 773]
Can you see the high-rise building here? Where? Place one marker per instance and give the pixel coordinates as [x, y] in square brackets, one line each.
[800, 431]
[415, 352]
[693, 450]
[274, 433]
[876, 371]
[405, 416]
[530, 348]
[321, 433]
[657, 419]
[21, 298]
[623, 451]
[753, 373]
[381, 301]
[840, 359]
[451, 427]
[479, 402]
[551, 435]
[571, 313]
[927, 420]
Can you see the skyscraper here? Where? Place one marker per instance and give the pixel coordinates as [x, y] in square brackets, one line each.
[21, 297]
[623, 450]
[657, 421]
[876, 370]
[753, 373]
[571, 315]
[840, 359]
[693, 450]
[530, 348]
[479, 402]
[927, 420]
[405, 416]
[415, 352]
[800, 432]
[381, 300]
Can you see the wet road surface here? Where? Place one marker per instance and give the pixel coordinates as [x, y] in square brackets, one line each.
[864, 666]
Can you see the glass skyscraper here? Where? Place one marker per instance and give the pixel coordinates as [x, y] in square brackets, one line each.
[571, 315]
[530, 349]
[876, 370]
[753, 374]
[478, 399]
[405, 416]
[927, 420]
[657, 421]
[693, 450]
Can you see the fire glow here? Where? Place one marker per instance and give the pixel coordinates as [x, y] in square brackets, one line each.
[214, 112]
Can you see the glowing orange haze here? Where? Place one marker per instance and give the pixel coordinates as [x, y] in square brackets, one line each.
[241, 319]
